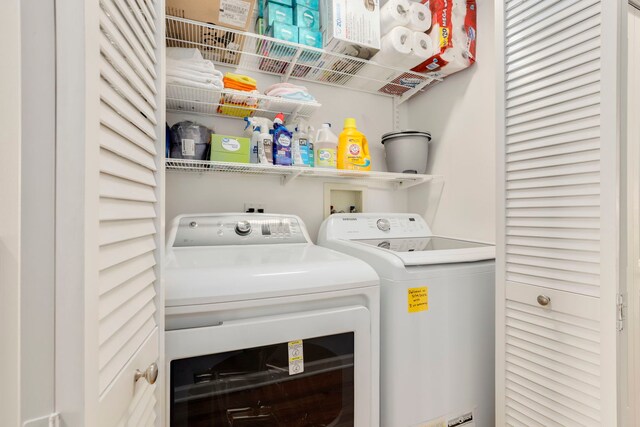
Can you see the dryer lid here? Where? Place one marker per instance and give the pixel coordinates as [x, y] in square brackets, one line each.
[209, 275]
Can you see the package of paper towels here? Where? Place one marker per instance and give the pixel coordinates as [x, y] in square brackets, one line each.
[453, 35]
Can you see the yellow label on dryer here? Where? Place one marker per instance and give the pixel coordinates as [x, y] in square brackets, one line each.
[418, 299]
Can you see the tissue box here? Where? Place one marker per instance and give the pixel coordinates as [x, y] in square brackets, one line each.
[305, 17]
[282, 2]
[274, 12]
[235, 14]
[351, 27]
[284, 32]
[311, 4]
[309, 37]
[225, 148]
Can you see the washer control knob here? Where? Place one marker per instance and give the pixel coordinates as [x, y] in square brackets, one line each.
[383, 224]
[243, 228]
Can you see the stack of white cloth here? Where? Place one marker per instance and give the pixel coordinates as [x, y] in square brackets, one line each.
[187, 67]
[289, 91]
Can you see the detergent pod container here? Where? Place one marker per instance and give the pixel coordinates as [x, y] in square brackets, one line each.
[353, 149]
[281, 142]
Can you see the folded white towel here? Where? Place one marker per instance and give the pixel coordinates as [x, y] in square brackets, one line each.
[183, 53]
[204, 65]
[190, 83]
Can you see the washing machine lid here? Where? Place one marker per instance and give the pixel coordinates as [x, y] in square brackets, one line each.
[397, 240]
[209, 275]
[432, 250]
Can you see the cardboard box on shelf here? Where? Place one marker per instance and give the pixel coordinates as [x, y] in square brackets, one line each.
[226, 148]
[236, 14]
[351, 27]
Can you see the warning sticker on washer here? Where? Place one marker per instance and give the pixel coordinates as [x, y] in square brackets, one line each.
[418, 299]
[296, 357]
[234, 12]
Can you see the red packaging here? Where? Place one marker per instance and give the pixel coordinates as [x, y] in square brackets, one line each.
[453, 31]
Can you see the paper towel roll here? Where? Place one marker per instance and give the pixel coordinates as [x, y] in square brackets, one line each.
[395, 13]
[421, 47]
[419, 17]
[394, 47]
[457, 60]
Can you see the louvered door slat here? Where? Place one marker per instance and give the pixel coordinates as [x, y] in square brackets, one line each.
[560, 22]
[113, 277]
[545, 15]
[125, 109]
[116, 144]
[554, 101]
[120, 231]
[133, 59]
[126, 129]
[116, 57]
[116, 80]
[118, 296]
[113, 209]
[134, 6]
[148, 15]
[131, 32]
[120, 167]
[575, 82]
[115, 353]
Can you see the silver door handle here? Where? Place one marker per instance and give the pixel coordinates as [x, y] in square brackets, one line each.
[150, 374]
[543, 300]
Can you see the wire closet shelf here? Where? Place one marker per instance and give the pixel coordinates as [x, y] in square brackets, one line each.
[253, 52]
[289, 173]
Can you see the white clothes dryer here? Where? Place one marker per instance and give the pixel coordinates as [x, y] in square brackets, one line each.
[437, 318]
[264, 328]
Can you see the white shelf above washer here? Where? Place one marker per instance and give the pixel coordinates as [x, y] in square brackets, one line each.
[253, 52]
[289, 173]
[235, 104]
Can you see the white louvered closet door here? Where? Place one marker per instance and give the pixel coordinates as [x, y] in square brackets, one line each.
[557, 272]
[119, 95]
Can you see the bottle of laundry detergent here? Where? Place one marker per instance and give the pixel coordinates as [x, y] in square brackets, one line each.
[326, 147]
[353, 149]
[281, 142]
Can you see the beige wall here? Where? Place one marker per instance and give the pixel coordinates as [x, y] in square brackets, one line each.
[460, 114]
[10, 215]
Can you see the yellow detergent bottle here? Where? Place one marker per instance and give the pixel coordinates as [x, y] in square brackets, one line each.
[353, 149]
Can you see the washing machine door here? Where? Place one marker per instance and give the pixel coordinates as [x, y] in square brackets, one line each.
[286, 370]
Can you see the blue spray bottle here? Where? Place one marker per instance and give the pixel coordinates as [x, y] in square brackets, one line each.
[281, 142]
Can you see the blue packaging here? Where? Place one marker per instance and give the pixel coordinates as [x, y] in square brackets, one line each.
[309, 37]
[305, 17]
[281, 143]
[274, 12]
[311, 4]
[284, 32]
[282, 2]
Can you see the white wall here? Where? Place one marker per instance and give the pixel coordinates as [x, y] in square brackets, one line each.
[460, 114]
[10, 215]
[195, 193]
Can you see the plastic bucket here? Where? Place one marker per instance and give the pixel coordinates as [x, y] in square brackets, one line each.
[406, 151]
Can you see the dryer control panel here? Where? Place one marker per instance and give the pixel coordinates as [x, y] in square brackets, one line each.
[236, 229]
[375, 226]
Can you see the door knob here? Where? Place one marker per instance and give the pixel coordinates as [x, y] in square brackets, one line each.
[150, 374]
[543, 300]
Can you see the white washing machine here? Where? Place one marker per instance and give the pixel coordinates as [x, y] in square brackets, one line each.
[437, 318]
[264, 328]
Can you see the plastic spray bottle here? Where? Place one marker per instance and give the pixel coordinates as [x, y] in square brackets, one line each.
[326, 147]
[281, 142]
[261, 139]
[300, 148]
[353, 149]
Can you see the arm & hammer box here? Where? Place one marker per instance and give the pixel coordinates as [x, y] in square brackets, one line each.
[351, 27]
